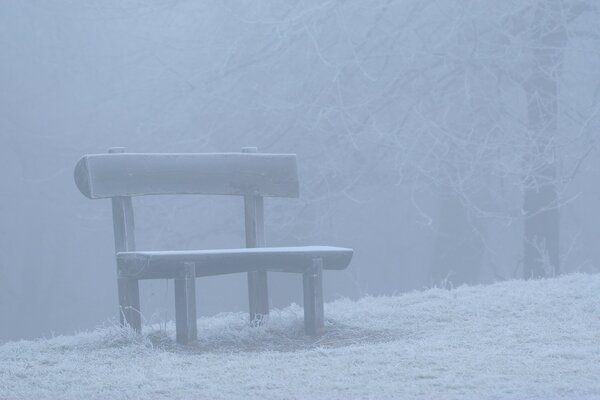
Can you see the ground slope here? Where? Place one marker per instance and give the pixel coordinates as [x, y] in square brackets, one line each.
[513, 340]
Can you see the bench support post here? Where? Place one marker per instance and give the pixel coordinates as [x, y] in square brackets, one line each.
[124, 231]
[258, 291]
[258, 297]
[312, 281]
[185, 304]
[129, 303]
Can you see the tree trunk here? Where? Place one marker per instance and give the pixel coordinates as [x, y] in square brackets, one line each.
[542, 229]
[540, 197]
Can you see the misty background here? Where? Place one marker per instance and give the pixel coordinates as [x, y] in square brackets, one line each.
[447, 142]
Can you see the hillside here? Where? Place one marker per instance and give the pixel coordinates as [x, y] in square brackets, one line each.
[512, 340]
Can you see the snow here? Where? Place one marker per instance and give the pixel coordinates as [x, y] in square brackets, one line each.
[253, 250]
[516, 339]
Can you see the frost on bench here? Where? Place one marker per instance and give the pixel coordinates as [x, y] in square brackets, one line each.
[119, 176]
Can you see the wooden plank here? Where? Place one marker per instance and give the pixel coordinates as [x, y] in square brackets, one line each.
[185, 305]
[128, 174]
[319, 306]
[312, 284]
[123, 224]
[164, 264]
[124, 235]
[123, 219]
[258, 290]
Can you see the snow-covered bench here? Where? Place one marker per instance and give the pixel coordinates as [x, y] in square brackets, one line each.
[119, 176]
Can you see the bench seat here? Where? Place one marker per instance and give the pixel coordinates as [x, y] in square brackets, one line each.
[168, 264]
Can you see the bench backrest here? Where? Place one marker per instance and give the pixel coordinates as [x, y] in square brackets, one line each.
[119, 175]
[129, 174]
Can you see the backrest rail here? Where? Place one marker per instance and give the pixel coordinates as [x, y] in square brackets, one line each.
[136, 174]
[254, 221]
[123, 224]
[255, 237]
[254, 215]
[123, 219]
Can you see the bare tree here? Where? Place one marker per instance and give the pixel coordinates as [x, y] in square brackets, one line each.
[487, 126]
[462, 96]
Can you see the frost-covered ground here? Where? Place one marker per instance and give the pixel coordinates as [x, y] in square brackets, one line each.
[513, 340]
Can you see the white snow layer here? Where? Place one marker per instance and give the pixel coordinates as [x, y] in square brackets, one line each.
[512, 340]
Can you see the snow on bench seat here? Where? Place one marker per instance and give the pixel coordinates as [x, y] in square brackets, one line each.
[167, 264]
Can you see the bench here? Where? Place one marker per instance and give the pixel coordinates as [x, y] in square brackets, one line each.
[120, 176]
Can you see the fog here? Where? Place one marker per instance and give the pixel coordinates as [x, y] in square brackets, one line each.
[446, 142]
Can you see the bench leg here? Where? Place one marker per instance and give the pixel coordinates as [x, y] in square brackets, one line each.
[258, 297]
[312, 281]
[129, 303]
[185, 305]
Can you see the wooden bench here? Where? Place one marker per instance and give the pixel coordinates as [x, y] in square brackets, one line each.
[119, 176]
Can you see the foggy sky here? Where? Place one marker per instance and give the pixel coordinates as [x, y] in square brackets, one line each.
[408, 119]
